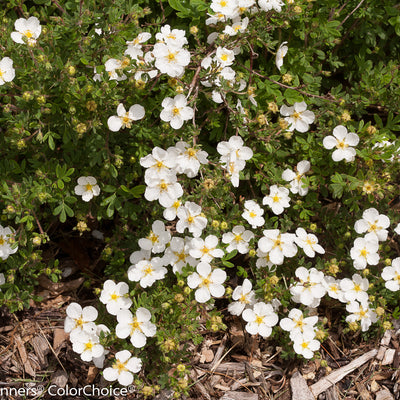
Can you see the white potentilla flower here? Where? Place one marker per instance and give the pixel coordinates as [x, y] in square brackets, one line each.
[138, 327]
[190, 216]
[298, 117]
[234, 150]
[209, 282]
[308, 242]
[171, 60]
[224, 7]
[277, 245]
[233, 169]
[163, 188]
[310, 289]
[176, 111]
[28, 30]
[332, 287]
[213, 19]
[124, 119]
[217, 97]
[178, 254]
[268, 5]
[397, 229]
[264, 261]
[297, 184]
[206, 250]
[139, 255]
[278, 199]
[297, 325]
[373, 222]
[280, 54]
[7, 71]
[134, 49]
[87, 345]
[239, 25]
[244, 297]
[305, 344]
[7, 242]
[112, 66]
[146, 272]
[361, 313]
[392, 275]
[189, 159]
[87, 188]
[365, 252]
[157, 238]
[355, 288]
[343, 141]
[79, 319]
[115, 296]
[172, 38]
[159, 163]
[224, 57]
[253, 214]
[238, 239]
[99, 361]
[123, 368]
[260, 319]
[170, 212]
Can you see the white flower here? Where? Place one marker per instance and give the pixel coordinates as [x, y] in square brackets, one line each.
[297, 184]
[226, 8]
[243, 296]
[253, 214]
[355, 288]
[374, 223]
[332, 287]
[209, 282]
[268, 5]
[280, 54]
[176, 111]
[189, 159]
[112, 66]
[173, 38]
[87, 188]
[163, 188]
[365, 252]
[238, 239]
[392, 275]
[134, 49]
[224, 57]
[159, 163]
[298, 117]
[115, 296]
[138, 327]
[123, 368]
[205, 249]
[277, 245]
[28, 30]
[124, 118]
[171, 60]
[310, 289]
[139, 255]
[7, 242]
[234, 150]
[343, 141]
[278, 199]
[87, 345]
[233, 168]
[239, 25]
[146, 272]
[178, 254]
[260, 319]
[305, 344]
[397, 229]
[170, 212]
[190, 216]
[7, 71]
[78, 319]
[157, 238]
[263, 260]
[296, 323]
[362, 313]
[308, 242]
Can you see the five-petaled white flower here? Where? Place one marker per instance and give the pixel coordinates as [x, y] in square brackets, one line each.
[278, 199]
[298, 117]
[6, 242]
[361, 313]
[209, 282]
[365, 252]
[260, 319]
[176, 111]
[297, 184]
[373, 223]
[124, 118]
[87, 188]
[238, 239]
[123, 368]
[244, 297]
[7, 71]
[253, 214]
[80, 319]
[115, 296]
[28, 30]
[308, 242]
[343, 141]
[191, 217]
[392, 275]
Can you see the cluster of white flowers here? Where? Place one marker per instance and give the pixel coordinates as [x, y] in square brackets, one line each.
[233, 157]
[7, 243]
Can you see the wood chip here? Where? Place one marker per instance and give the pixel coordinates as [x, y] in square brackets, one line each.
[92, 373]
[239, 396]
[384, 343]
[41, 347]
[384, 395]
[59, 378]
[227, 368]
[60, 338]
[340, 373]
[24, 357]
[388, 357]
[363, 392]
[374, 386]
[300, 390]
[331, 393]
[207, 355]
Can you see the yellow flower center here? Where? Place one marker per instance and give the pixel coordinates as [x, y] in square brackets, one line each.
[252, 214]
[206, 281]
[120, 366]
[304, 345]
[79, 322]
[224, 57]
[148, 270]
[153, 237]
[176, 111]
[334, 288]
[191, 152]
[2, 241]
[341, 145]
[223, 3]
[126, 121]
[28, 34]
[238, 238]
[205, 250]
[357, 288]
[276, 199]
[135, 324]
[176, 204]
[397, 277]
[88, 187]
[163, 186]
[243, 299]
[160, 164]
[1, 74]
[310, 242]
[88, 345]
[363, 253]
[299, 323]
[373, 227]
[296, 115]
[114, 296]
[190, 220]
[278, 243]
[171, 56]
[181, 256]
[259, 320]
